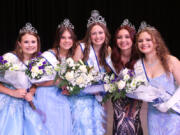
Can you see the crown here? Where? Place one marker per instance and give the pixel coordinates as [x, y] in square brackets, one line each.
[28, 28]
[144, 25]
[66, 23]
[95, 17]
[126, 22]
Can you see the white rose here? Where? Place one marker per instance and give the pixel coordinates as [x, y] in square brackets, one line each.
[121, 84]
[125, 71]
[83, 68]
[80, 80]
[69, 76]
[106, 87]
[34, 69]
[70, 62]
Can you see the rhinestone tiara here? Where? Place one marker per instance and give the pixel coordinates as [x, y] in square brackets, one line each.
[66, 23]
[126, 22]
[95, 17]
[28, 28]
[144, 25]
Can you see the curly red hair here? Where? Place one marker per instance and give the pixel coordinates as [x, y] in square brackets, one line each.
[161, 48]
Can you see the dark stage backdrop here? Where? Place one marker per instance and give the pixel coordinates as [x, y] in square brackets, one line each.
[45, 15]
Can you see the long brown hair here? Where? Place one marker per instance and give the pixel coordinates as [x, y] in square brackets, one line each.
[58, 36]
[116, 51]
[104, 49]
[18, 51]
[161, 48]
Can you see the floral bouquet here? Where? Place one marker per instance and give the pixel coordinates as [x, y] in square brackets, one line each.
[125, 83]
[8, 69]
[76, 76]
[4, 64]
[39, 70]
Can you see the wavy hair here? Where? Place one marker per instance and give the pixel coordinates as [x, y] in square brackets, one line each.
[104, 49]
[161, 48]
[116, 51]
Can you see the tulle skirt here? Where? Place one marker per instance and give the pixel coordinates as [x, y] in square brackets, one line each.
[163, 123]
[18, 118]
[87, 115]
[56, 108]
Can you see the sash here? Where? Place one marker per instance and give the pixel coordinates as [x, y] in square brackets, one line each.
[139, 70]
[50, 57]
[92, 60]
[110, 64]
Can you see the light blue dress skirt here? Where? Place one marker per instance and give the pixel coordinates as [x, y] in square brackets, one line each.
[87, 115]
[18, 118]
[56, 108]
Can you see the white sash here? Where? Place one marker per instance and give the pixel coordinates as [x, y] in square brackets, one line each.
[92, 61]
[51, 58]
[110, 64]
[139, 70]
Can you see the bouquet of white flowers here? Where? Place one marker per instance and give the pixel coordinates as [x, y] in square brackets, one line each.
[9, 69]
[76, 76]
[4, 64]
[125, 83]
[39, 70]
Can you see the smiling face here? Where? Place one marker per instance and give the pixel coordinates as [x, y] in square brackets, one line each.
[66, 41]
[97, 35]
[145, 43]
[123, 40]
[28, 44]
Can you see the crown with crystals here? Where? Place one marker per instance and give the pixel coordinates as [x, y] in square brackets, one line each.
[95, 17]
[126, 22]
[66, 23]
[144, 25]
[28, 28]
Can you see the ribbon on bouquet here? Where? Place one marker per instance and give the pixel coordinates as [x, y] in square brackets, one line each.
[37, 110]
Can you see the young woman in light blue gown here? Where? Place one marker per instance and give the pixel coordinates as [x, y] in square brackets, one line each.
[16, 115]
[160, 69]
[87, 112]
[49, 97]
